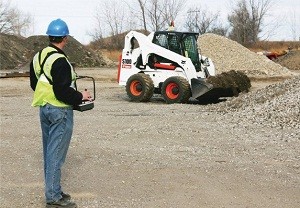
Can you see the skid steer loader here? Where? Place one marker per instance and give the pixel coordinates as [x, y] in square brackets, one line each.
[168, 63]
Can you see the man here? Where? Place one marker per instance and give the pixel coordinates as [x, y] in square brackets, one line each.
[52, 79]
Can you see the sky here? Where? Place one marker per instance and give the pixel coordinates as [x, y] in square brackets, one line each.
[80, 15]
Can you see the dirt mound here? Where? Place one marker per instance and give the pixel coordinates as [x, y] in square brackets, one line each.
[226, 84]
[229, 55]
[290, 60]
[17, 51]
[13, 51]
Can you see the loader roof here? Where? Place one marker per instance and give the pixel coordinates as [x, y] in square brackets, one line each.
[176, 32]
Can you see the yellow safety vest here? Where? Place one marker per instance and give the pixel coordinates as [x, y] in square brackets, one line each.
[44, 93]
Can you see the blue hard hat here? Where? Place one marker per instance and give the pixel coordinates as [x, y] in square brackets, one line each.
[58, 28]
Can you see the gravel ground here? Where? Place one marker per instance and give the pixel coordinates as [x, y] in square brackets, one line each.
[277, 105]
[240, 153]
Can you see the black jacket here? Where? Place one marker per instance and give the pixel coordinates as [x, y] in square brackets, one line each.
[61, 80]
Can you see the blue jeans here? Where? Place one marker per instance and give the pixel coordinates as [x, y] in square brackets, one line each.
[57, 128]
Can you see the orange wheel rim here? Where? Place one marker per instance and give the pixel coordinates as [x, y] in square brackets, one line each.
[134, 88]
[172, 91]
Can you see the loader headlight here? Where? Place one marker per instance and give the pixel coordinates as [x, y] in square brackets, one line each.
[206, 62]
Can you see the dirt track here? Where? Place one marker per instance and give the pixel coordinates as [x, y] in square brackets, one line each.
[126, 154]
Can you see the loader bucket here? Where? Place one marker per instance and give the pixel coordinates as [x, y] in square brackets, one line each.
[200, 87]
[226, 84]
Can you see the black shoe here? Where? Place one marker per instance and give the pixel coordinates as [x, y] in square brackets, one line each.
[66, 196]
[61, 203]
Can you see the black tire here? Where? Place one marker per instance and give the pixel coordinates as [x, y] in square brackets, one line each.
[176, 90]
[140, 87]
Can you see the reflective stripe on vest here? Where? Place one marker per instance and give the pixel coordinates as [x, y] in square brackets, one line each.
[44, 90]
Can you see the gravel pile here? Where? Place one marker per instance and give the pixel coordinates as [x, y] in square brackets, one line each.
[276, 105]
[77, 53]
[13, 53]
[17, 52]
[229, 55]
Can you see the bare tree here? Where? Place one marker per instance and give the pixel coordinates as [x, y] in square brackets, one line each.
[97, 32]
[201, 20]
[219, 29]
[293, 25]
[137, 13]
[12, 21]
[157, 14]
[239, 21]
[111, 20]
[113, 16]
[246, 20]
[172, 9]
[142, 5]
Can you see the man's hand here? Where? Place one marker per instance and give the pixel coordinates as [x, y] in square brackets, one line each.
[86, 95]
